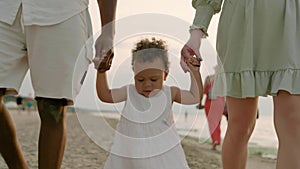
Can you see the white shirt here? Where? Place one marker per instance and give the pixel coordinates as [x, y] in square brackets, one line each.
[41, 12]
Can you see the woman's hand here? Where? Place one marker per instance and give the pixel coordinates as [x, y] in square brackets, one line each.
[191, 48]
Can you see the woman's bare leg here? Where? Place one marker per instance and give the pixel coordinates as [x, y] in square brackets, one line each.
[287, 125]
[241, 122]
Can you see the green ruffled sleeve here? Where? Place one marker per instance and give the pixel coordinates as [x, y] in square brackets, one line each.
[205, 9]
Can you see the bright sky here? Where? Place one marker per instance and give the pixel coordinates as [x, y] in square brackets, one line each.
[181, 9]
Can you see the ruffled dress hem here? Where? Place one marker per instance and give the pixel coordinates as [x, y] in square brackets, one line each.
[247, 84]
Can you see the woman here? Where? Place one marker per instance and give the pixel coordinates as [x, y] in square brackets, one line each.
[258, 47]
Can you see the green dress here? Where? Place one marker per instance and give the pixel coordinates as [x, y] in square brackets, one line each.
[258, 45]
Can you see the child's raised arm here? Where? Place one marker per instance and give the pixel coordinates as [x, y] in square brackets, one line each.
[106, 94]
[196, 89]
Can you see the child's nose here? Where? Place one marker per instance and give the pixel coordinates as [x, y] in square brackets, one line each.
[148, 83]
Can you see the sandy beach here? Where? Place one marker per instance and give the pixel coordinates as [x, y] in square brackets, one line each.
[82, 152]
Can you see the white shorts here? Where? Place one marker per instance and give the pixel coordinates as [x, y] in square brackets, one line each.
[50, 52]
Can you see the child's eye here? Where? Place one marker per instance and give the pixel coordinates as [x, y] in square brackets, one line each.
[153, 80]
[140, 80]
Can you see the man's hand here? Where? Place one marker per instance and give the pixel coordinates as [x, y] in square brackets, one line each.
[104, 52]
[104, 43]
[200, 106]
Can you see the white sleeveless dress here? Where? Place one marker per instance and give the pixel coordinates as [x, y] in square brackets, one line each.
[146, 137]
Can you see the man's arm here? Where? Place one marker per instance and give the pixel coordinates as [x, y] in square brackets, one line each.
[104, 43]
[108, 14]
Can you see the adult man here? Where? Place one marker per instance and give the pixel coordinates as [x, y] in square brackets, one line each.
[45, 37]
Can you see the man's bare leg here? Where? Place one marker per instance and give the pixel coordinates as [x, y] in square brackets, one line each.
[53, 132]
[9, 147]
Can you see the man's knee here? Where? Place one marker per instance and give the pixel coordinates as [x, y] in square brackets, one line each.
[51, 108]
[2, 93]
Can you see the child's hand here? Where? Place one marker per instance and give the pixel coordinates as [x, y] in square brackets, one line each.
[193, 64]
[104, 63]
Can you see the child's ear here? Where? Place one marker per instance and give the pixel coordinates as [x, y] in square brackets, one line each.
[166, 75]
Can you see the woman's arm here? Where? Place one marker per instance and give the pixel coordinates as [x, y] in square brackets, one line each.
[204, 12]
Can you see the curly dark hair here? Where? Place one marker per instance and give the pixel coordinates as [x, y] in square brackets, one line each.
[147, 50]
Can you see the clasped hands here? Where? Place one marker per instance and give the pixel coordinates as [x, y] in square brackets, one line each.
[104, 52]
[190, 55]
